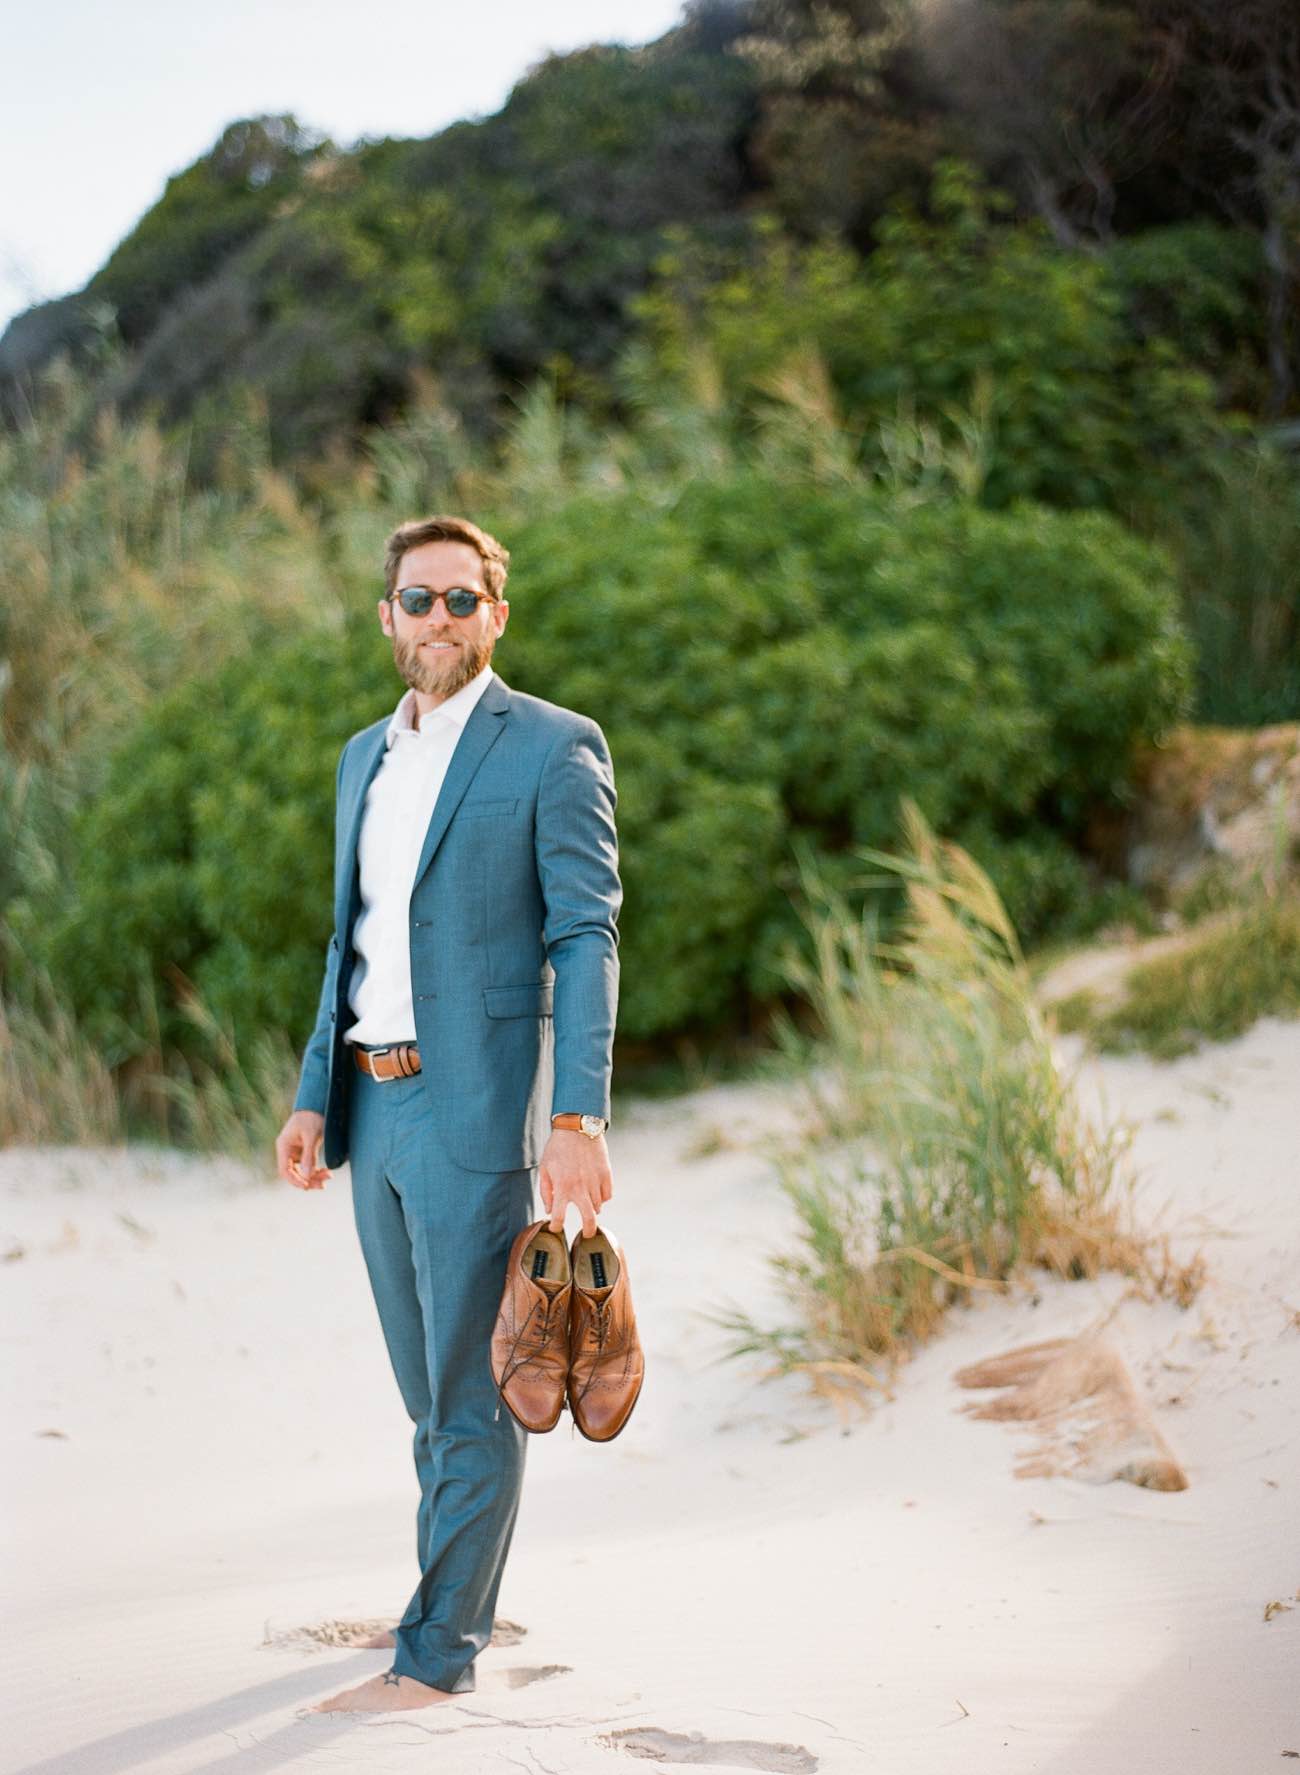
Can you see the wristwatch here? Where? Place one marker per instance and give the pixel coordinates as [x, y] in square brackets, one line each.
[592, 1126]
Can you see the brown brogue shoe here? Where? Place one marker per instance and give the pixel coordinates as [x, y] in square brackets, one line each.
[530, 1340]
[606, 1366]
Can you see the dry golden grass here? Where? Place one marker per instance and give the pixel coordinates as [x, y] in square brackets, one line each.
[53, 1085]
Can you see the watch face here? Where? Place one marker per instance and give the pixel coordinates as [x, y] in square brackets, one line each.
[593, 1124]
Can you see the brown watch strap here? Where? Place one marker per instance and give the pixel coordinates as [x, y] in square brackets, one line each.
[572, 1122]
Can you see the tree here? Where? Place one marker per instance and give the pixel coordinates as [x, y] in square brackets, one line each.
[1240, 74]
[1063, 100]
[849, 120]
[203, 216]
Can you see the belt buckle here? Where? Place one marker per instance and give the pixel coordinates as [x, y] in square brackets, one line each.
[378, 1054]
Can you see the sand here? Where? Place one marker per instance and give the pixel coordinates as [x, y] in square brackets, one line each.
[205, 1455]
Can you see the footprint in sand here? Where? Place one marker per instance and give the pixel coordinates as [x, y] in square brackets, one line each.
[536, 1673]
[356, 1633]
[717, 1753]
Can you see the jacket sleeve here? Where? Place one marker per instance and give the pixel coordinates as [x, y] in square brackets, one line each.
[313, 1077]
[577, 864]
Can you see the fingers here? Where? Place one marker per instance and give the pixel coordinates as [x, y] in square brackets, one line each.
[315, 1179]
[300, 1160]
[296, 1150]
[583, 1200]
[286, 1156]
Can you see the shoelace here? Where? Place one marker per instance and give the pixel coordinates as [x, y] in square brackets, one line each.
[602, 1310]
[515, 1360]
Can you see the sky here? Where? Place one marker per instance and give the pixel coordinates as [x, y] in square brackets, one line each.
[104, 103]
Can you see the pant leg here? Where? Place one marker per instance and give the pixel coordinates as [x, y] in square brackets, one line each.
[436, 1239]
[386, 1248]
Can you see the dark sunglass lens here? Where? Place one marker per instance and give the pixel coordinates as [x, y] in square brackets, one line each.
[461, 602]
[415, 600]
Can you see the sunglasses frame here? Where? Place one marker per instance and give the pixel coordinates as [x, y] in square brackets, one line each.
[479, 598]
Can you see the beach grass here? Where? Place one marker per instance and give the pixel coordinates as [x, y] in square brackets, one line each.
[1244, 965]
[54, 1086]
[943, 1152]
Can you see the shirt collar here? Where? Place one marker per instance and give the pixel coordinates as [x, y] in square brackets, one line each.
[457, 708]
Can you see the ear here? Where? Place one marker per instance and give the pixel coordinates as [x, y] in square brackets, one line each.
[385, 616]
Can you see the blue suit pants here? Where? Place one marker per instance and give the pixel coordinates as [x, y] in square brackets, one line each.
[436, 1240]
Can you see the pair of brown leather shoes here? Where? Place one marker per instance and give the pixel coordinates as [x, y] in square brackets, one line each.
[565, 1324]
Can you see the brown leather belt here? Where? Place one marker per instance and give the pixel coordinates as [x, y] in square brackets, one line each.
[400, 1062]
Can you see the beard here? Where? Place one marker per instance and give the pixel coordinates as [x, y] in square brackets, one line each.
[441, 675]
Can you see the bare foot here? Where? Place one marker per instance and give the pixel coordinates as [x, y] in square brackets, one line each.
[388, 1693]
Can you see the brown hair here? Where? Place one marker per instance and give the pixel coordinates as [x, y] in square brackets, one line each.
[416, 531]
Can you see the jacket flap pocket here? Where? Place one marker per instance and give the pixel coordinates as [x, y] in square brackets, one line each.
[473, 810]
[533, 1000]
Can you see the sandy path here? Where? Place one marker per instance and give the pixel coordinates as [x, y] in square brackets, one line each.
[233, 1461]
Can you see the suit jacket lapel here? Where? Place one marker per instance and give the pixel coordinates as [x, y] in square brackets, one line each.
[482, 731]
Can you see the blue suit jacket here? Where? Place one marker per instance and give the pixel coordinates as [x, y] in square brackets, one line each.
[513, 933]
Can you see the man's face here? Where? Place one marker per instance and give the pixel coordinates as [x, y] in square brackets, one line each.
[438, 653]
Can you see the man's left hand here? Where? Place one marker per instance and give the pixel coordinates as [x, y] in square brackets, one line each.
[574, 1168]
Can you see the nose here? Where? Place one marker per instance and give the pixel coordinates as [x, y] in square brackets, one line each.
[439, 598]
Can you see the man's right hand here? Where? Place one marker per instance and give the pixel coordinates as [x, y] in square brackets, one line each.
[296, 1149]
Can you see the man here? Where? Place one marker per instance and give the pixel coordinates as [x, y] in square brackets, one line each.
[475, 951]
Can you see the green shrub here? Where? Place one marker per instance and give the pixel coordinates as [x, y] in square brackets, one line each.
[770, 663]
[964, 313]
[1201, 287]
[205, 862]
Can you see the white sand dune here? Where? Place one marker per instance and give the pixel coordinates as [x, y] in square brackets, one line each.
[205, 1452]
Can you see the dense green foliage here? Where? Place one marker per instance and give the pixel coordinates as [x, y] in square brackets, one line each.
[205, 861]
[770, 666]
[337, 282]
[204, 215]
[952, 322]
[328, 282]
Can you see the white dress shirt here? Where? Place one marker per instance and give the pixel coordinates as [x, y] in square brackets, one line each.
[399, 806]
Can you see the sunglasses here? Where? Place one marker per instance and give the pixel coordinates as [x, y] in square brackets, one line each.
[460, 600]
